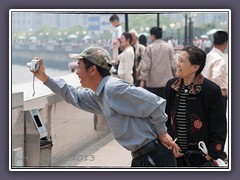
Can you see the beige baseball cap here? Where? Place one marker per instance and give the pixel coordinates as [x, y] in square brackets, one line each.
[95, 55]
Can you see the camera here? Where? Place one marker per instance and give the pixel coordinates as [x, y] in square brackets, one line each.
[33, 65]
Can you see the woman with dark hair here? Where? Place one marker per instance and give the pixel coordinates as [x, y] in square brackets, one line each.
[126, 58]
[195, 108]
[142, 40]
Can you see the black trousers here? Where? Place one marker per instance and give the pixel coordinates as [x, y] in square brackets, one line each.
[181, 162]
[159, 157]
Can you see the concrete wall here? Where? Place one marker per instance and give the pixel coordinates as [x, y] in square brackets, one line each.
[17, 126]
[70, 129]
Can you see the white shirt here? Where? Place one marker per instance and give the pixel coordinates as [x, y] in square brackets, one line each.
[126, 61]
[116, 34]
[215, 68]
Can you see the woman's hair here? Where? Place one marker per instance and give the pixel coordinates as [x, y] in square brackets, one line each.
[102, 71]
[142, 40]
[196, 56]
[127, 36]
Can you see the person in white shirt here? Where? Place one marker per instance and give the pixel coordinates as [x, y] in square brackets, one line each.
[215, 68]
[116, 35]
[126, 58]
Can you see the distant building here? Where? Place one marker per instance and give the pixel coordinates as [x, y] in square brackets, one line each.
[25, 21]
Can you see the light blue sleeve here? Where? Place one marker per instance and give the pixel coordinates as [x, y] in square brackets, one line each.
[82, 98]
[134, 101]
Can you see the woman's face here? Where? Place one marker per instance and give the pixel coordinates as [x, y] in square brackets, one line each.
[124, 42]
[184, 67]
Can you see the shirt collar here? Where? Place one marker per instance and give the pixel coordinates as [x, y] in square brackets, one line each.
[158, 41]
[218, 51]
[101, 85]
[196, 87]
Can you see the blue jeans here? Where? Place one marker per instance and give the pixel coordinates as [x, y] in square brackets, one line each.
[159, 157]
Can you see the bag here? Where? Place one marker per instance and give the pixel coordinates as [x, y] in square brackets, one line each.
[197, 159]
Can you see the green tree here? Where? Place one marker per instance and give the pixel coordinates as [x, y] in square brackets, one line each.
[141, 22]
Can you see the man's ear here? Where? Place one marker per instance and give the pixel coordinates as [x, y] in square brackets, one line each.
[93, 70]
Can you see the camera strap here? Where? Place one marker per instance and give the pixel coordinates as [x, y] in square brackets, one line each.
[33, 85]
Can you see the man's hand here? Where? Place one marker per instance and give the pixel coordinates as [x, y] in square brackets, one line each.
[142, 83]
[40, 74]
[224, 92]
[168, 142]
[207, 157]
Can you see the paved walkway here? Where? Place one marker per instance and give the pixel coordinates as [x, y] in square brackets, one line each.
[106, 153]
[111, 155]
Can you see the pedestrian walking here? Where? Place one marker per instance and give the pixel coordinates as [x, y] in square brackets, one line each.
[126, 58]
[158, 64]
[215, 68]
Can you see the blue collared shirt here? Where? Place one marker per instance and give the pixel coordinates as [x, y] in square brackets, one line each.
[134, 115]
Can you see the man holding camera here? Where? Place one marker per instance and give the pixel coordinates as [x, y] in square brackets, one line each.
[135, 116]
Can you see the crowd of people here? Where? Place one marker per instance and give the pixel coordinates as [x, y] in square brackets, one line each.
[156, 106]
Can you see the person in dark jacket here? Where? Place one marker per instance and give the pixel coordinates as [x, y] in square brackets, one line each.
[194, 107]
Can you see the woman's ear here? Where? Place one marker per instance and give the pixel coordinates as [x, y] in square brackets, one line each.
[196, 67]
